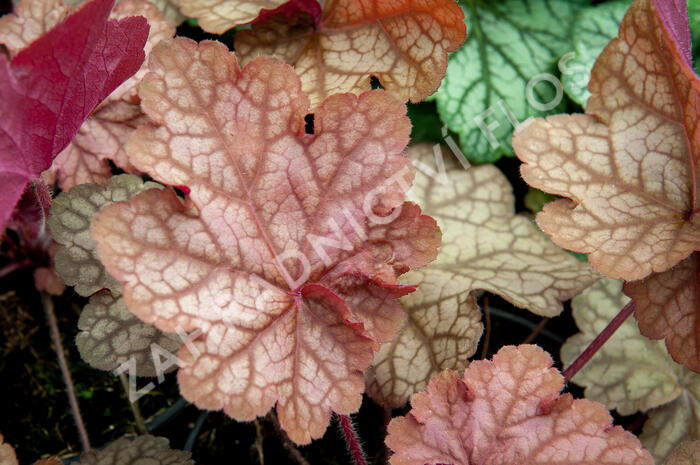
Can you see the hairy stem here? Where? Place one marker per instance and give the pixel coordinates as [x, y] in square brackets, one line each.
[140, 424]
[358, 456]
[598, 342]
[286, 442]
[67, 379]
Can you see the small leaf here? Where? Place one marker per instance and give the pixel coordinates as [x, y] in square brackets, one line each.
[110, 335]
[628, 167]
[69, 222]
[592, 30]
[687, 453]
[629, 373]
[43, 92]
[667, 306]
[508, 411]
[139, 450]
[287, 319]
[510, 43]
[403, 43]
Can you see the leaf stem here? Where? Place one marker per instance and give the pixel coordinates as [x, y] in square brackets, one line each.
[140, 425]
[536, 332]
[598, 342]
[358, 456]
[286, 442]
[67, 379]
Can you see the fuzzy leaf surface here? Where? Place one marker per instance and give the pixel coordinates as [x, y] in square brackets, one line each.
[404, 43]
[628, 167]
[667, 306]
[69, 222]
[286, 318]
[485, 246]
[138, 450]
[49, 88]
[110, 335]
[509, 43]
[592, 30]
[509, 411]
[688, 453]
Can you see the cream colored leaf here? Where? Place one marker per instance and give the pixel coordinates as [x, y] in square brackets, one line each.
[110, 335]
[629, 166]
[218, 16]
[403, 43]
[69, 222]
[687, 453]
[630, 372]
[31, 19]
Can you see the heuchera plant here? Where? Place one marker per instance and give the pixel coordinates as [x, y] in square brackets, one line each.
[256, 220]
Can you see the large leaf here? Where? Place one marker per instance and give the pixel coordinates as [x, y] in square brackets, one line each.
[593, 28]
[485, 88]
[629, 165]
[404, 43]
[43, 93]
[508, 411]
[282, 253]
[485, 246]
[688, 453]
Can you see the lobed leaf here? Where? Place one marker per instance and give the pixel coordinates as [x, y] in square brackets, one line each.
[110, 336]
[667, 306]
[218, 16]
[76, 259]
[286, 251]
[403, 43]
[508, 411]
[628, 166]
[592, 30]
[486, 85]
[29, 21]
[138, 450]
[44, 93]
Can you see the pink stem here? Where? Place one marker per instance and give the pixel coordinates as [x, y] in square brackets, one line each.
[598, 342]
[354, 446]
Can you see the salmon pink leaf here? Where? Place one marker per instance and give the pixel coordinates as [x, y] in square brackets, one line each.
[50, 87]
[629, 166]
[286, 251]
[508, 411]
[403, 43]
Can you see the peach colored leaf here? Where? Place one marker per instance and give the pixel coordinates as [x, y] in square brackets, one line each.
[687, 453]
[171, 10]
[508, 411]
[628, 165]
[629, 373]
[69, 222]
[110, 335]
[7, 453]
[278, 254]
[30, 20]
[404, 43]
[675, 422]
[667, 306]
[218, 16]
[139, 450]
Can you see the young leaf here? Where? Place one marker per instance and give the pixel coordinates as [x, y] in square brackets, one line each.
[278, 253]
[404, 43]
[688, 453]
[631, 373]
[628, 166]
[486, 85]
[44, 95]
[138, 450]
[592, 30]
[7, 453]
[110, 336]
[667, 305]
[485, 246]
[69, 222]
[508, 411]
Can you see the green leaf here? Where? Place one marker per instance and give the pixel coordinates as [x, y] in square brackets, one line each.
[593, 28]
[427, 126]
[694, 20]
[485, 89]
